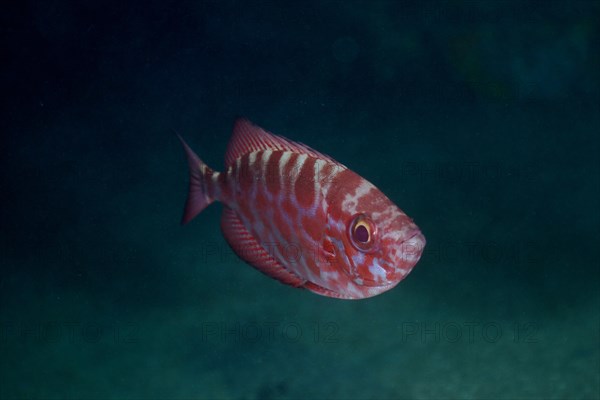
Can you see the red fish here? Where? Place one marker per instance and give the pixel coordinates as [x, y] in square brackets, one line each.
[303, 218]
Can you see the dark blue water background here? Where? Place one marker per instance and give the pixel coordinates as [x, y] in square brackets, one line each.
[479, 119]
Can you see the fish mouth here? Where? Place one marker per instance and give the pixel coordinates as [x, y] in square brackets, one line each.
[410, 252]
[408, 255]
[412, 248]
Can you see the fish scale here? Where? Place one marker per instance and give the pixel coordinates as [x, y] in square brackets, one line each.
[253, 187]
[303, 218]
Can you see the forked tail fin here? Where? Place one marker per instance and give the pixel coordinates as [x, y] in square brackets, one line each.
[199, 196]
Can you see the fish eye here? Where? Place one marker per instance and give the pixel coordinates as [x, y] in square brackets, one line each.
[362, 232]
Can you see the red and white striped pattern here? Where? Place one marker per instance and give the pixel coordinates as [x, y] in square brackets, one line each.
[288, 210]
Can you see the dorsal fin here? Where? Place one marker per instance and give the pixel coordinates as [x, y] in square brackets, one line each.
[248, 137]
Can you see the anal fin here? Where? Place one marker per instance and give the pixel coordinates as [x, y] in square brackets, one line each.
[245, 245]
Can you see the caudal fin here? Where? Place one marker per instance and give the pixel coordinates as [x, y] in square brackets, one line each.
[199, 196]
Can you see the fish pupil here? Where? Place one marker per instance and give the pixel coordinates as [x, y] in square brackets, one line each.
[361, 234]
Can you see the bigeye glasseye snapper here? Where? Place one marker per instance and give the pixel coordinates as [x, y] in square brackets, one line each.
[303, 218]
